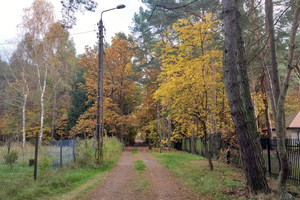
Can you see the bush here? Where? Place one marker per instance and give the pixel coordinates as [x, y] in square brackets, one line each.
[11, 158]
[31, 162]
[85, 152]
[45, 163]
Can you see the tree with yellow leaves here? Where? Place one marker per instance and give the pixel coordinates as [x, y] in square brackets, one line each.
[192, 77]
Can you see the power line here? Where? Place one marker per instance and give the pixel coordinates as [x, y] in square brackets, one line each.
[79, 33]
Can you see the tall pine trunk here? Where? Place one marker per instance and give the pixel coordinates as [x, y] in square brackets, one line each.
[239, 99]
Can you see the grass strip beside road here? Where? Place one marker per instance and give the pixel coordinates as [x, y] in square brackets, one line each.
[193, 170]
[17, 183]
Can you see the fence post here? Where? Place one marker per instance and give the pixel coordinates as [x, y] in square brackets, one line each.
[73, 146]
[193, 143]
[269, 155]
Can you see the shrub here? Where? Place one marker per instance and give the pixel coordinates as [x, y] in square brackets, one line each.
[11, 158]
[31, 162]
[85, 152]
[45, 163]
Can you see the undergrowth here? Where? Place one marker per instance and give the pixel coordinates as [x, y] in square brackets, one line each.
[18, 183]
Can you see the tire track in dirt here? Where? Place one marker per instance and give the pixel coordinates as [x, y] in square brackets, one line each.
[117, 185]
[164, 185]
[123, 182]
[155, 183]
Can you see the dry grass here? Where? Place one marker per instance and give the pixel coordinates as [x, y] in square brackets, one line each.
[25, 153]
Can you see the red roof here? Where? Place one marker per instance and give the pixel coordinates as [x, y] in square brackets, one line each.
[296, 122]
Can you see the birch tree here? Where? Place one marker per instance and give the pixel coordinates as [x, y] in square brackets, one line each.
[20, 81]
[37, 21]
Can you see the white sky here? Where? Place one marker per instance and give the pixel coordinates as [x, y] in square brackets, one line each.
[114, 21]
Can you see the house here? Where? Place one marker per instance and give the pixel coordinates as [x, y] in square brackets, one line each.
[292, 127]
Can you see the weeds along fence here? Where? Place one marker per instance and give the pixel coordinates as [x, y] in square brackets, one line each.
[216, 146]
[219, 151]
[55, 154]
[61, 152]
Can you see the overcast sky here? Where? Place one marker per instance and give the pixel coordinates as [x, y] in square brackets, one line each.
[114, 21]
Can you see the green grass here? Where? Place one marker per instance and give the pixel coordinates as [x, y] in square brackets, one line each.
[139, 165]
[134, 151]
[17, 183]
[141, 182]
[193, 170]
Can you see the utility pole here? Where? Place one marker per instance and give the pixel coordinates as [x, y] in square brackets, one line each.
[100, 96]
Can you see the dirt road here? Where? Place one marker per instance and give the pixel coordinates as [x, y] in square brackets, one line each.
[156, 182]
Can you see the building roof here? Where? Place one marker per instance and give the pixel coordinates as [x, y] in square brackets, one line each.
[295, 122]
[292, 121]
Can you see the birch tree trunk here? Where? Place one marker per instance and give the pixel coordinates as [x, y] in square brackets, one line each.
[239, 99]
[43, 89]
[36, 22]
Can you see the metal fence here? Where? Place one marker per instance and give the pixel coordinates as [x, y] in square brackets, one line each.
[273, 163]
[219, 151]
[61, 152]
[218, 148]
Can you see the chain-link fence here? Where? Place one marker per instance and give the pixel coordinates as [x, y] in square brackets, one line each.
[58, 153]
[61, 152]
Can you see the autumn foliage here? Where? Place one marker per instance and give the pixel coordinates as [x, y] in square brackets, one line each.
[191, 77]
[120, 89]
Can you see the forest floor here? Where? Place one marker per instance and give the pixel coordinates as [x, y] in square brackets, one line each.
[128, 181]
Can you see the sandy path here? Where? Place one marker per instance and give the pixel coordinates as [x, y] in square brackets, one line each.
[124, 182]
[117, 184]
[164, 185]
